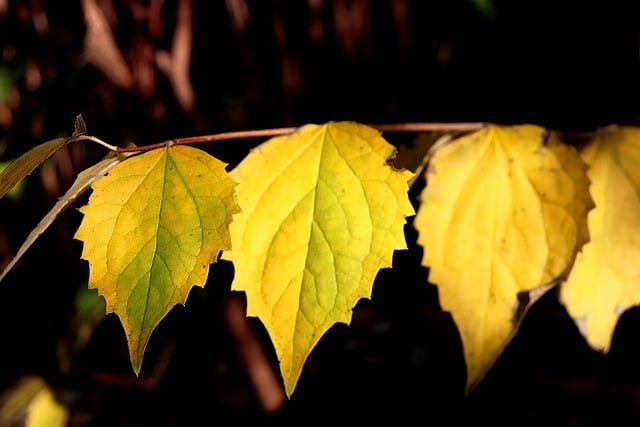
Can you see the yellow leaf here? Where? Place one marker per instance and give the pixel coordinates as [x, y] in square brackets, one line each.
[605, 279]
[45, 411]
[31, 403]
[322, 213]
[503, 212]
[150, 230]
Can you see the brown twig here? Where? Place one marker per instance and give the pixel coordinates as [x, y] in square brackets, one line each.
[262, 133]
[382, 127]
[212, 138]
[429, 127]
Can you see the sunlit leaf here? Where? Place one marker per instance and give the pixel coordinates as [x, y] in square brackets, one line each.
[81, 184]
[503, 211]
[605, 279]
[151, 229]
[322, 213]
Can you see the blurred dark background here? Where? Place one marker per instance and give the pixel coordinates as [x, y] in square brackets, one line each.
[147, 71]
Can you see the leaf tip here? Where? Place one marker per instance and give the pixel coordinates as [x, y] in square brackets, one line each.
[136, 363]
[137, 347]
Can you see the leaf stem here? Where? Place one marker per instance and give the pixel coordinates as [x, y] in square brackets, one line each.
[98, 141]
[257, 133]
[399, 127]
[429, 127]
[212, 138]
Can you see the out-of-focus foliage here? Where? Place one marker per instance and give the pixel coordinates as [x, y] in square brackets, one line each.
[30, 402]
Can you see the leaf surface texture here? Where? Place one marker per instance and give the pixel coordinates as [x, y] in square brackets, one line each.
[151, 229]
[322, 213]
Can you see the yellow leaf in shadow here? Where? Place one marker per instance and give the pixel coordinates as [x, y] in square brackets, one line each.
[605, 279]
[503, 212]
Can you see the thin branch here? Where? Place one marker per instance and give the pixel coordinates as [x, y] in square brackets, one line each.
[382, 127]
[429, 127]
[262, 133]
[236, 135]
[224, 136]
[99, 141]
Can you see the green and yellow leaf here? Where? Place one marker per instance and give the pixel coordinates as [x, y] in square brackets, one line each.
[322, 213]
[151, 229]
[605, 279]
[503, 212]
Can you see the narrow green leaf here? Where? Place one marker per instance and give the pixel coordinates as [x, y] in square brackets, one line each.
[25, 164]
[17, 191]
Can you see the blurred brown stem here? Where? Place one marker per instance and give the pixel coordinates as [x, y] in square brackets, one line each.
[266, 384]
[175, 64]
[101, 49]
